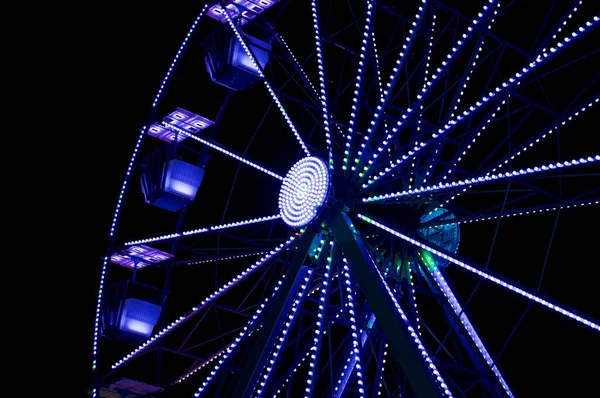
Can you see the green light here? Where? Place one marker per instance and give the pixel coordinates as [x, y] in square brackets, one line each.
[371, 322]
[399, 262]
[428, 259]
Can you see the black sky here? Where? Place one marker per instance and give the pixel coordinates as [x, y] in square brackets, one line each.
[131, 47]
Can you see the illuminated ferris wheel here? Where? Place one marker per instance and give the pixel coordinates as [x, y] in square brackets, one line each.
[396, 140]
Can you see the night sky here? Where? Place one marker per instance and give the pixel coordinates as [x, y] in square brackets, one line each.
[132, 48]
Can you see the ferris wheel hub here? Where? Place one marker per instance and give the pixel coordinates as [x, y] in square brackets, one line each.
[304, 191]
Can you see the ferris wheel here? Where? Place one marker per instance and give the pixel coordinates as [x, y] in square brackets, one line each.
[411, 158]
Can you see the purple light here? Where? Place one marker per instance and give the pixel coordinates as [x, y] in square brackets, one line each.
[216, 12]
[183, 119]
[161, 133]
[241, 60]
[235, 64]
[144, 255]
[215, 295]
[225, 152]
[289, 122]
[250, 8]
[126, 182]
[187, 120]
[183, 179]
[139, 317]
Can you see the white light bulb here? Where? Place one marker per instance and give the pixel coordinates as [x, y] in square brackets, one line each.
[304, 191]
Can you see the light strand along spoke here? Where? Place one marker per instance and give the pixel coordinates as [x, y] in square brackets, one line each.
[284, 335]
[536, 139]
[559, 30]
[222, 150]
[224, 258]
[502, 89]
[486, 275]
[513, 213]
[394, 77]
[531, 143]
[425, 80]
[294, 370]
[435, 373]
[321, 326]
[296, 62]
[354, 331]
[350, 362]
[202, 230]
[489, 10]
[322, 85]
[202, 365]
[385, 352]
[204, 303]
[458, 310]
[545, 133]
[248, 329]
[302, 358]
[380, 90]
[487, 178]
[413, 299]
[565, 19]
[125, 186]
[349, 365]
[360, 76]
[177, 58]
[289, 122]
[471, 68]
[473, 141]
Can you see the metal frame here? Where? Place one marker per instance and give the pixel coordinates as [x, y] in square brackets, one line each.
[408, 363]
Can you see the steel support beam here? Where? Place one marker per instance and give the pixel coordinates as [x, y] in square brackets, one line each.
[351, 361]
[404, 351]
[278, 307]
[485, 375]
